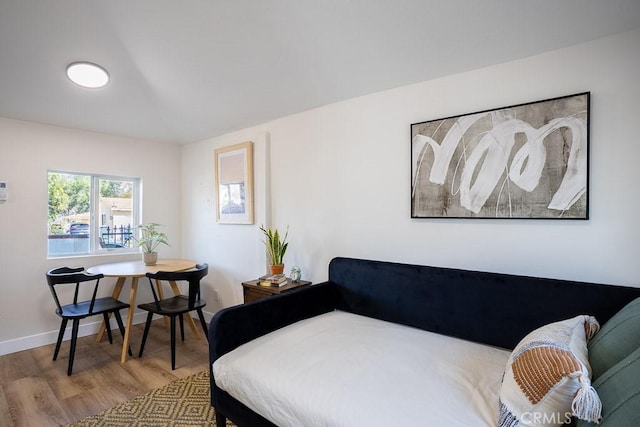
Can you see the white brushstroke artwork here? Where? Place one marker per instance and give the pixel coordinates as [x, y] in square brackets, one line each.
[525, 161]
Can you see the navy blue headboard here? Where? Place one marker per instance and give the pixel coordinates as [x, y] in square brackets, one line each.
[492, 308]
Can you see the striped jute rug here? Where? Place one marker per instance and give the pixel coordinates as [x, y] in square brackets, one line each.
[184, 402]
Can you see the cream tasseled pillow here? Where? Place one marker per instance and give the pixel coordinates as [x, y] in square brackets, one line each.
[548, 379]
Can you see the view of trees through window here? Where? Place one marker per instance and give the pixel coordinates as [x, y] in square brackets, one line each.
[89, 213]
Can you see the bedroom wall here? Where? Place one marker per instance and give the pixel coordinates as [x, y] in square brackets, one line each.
[27, 152]
[340, 179]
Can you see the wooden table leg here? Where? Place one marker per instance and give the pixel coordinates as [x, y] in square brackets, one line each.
[116, 294]
[127, 328]
[192, 325]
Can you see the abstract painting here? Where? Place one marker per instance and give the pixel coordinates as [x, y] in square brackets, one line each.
[524, 161]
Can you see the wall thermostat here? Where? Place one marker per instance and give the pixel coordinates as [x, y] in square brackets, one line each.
[3, 191]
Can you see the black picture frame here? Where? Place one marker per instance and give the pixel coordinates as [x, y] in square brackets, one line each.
[525, 161]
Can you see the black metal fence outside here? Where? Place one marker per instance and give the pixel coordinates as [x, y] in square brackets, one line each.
[116, 237]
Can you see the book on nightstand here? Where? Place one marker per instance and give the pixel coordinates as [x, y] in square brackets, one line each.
[273, 280]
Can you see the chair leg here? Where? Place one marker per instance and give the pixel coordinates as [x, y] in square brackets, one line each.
[146, 332]
[74, 337]
[204, 324]
[121, 327]
[182, 326]
[63, 326]
[107, 326]
[173, 343]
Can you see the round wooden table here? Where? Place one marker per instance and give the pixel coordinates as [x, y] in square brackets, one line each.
[135, 270]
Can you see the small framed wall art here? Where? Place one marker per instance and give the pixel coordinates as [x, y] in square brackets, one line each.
[234, 184]
[527, 161]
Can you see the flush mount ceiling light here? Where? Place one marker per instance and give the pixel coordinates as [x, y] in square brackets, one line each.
[86, 74]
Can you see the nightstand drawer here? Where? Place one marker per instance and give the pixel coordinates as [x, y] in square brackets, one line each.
[253, 291]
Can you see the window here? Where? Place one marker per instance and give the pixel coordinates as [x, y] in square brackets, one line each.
[91, 214]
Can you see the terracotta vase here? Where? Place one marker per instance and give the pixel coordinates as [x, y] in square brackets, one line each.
[150, 258]
[276, 269]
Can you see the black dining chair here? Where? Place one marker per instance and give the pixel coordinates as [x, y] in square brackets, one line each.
[176, 306]
[77, 310]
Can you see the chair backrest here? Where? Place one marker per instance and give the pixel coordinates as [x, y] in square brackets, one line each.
[192, 276]
[68, 275]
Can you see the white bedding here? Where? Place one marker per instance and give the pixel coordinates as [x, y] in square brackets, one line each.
[341, 369]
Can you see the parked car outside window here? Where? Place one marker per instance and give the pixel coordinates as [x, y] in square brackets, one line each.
[113, 245]
[78, 228]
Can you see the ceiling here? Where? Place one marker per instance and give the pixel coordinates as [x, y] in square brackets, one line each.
[183, 71]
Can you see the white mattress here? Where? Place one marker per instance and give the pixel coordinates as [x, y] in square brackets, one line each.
[341, 369]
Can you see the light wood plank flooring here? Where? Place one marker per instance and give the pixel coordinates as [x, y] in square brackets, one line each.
[36, 391]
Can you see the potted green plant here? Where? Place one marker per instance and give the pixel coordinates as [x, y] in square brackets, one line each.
[150, 238]
[276, 248]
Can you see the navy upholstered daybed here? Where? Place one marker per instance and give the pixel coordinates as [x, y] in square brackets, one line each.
[384, 342]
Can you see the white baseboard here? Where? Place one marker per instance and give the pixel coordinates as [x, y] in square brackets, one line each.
[46, 338]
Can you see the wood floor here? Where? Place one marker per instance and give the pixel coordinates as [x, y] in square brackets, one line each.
[36, 391]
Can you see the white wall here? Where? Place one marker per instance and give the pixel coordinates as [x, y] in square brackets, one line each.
[27, 152]
[340, 178]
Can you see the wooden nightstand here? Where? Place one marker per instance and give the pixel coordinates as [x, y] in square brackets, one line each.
[253, 291]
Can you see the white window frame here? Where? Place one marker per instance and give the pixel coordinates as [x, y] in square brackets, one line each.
[94, 203]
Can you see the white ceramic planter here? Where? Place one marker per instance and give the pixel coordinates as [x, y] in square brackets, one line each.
[150, 258]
